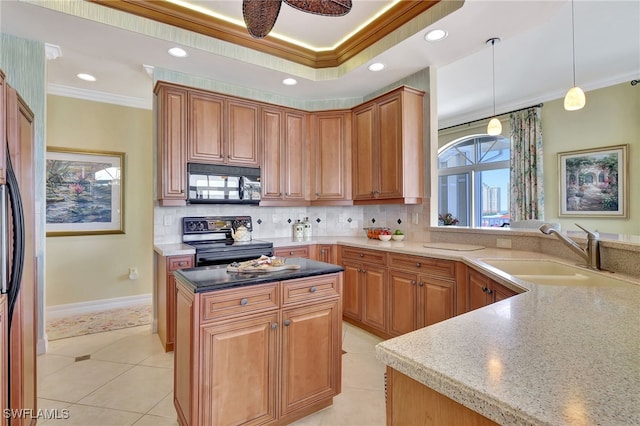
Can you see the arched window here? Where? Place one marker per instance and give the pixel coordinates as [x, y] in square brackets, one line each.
[473, 179]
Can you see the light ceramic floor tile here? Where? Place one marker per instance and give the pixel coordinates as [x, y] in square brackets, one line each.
[356, 407]
[79, 379]
[163, 359]
[358, 341]
[130, 349]
[165, 407]
[50, 363]
[138, 389]
[146, 329]
[362, 371]
[83, 345]
[83, 415]
[149, 420]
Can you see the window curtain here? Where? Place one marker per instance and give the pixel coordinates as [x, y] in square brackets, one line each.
[527, 189]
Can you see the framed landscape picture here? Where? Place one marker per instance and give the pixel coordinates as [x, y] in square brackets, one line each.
[85, 192]
[593, 182]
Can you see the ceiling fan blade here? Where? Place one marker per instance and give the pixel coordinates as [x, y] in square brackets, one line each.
[260, 16]
[322, 7]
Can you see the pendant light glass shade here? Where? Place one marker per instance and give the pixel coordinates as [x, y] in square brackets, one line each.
[495, 127]
[574, 99]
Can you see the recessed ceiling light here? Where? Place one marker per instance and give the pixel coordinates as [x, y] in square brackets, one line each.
[378, 66]
[86, 77]
[289, 82]
[435, 35]
[178, 52]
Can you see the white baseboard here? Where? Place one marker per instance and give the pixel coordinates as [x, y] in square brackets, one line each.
[61, 311]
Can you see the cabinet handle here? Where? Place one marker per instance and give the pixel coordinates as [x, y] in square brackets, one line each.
[182, 191]
[421, 284]
[361, 254]
[413, 282]
[274, 325]
[359, 270]
[484, 289]
[290, 253]
[317, 194]
[418, 264]
[313, 289]
[229, 156]
[182, 263]
[364, 271]
[323, 251]
[244, 302]
[287, 323]
[489, 291]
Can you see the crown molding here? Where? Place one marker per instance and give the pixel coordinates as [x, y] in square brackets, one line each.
[92, 95]
[172, 14]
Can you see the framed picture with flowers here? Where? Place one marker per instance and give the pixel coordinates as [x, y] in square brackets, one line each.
[84, 192]
[593, 182]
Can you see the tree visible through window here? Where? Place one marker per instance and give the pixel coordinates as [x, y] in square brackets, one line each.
[473, 180]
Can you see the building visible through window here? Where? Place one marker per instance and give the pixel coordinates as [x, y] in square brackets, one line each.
[473, 180]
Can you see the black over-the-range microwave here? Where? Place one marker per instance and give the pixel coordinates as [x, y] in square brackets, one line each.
[220, 184]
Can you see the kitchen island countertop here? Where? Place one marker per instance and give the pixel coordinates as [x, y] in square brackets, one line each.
[210, 278]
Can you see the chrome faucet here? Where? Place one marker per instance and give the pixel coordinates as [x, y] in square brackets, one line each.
[591, 253]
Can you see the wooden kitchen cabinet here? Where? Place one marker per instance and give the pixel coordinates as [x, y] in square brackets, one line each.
[262, 354]
[4, 356]
[3, 132]
[165, 291]
[222, 130]
[483, 291]
[326, 253]
[171, 110]
[284, 166]
[388, 149]
[365, 288]
[292, 251]
[421, 292]
[330, 171]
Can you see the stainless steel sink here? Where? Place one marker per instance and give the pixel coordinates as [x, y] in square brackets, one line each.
[549, 272]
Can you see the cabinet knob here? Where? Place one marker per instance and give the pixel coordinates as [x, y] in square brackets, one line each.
[413, 282]
[323, 251]
[182, 191]
[489, 291]
[484, 289]
[359, 270]
[313, 289]
[421, 284]
[361, 254]
[317, 194]
[287, 323]
[274, 325]
[364, 271]
[290, 253]
[182, 263]
[229, 156]
[418, 264]
[243, 302]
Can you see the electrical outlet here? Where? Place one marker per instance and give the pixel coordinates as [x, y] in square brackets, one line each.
[133, 273]
[503, 243]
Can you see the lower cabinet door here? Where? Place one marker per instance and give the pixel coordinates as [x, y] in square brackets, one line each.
[238, 379]
[374, 305]
[352, 291]
[437, 300]
[403, 302]
[311, 355]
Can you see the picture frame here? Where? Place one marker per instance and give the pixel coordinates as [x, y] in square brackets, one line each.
[594, 182]
[84, 192]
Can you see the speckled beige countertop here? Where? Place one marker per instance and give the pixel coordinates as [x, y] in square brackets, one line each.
[552, 355]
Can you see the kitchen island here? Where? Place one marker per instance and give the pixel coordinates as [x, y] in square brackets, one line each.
[257, 347]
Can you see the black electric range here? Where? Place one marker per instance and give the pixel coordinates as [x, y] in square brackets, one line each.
[212, 238]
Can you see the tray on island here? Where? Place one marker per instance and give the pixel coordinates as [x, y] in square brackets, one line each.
[261, 268]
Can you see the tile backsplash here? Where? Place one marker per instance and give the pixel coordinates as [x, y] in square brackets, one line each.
[275, 222]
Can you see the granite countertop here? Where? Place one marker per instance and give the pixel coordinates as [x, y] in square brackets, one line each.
[211, 278]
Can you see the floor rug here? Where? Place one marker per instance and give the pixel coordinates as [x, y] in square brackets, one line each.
[99, 321]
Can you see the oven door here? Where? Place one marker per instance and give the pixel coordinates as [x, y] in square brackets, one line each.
[222, 257]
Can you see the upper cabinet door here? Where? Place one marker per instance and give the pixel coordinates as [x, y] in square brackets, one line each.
[390, 147]
[171, 141]
[364, 183]
[206, 138]
[242, 126]
[295, 171]
[331, 161]
[272, 133]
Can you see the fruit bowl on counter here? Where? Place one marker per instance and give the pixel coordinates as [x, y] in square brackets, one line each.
[374, 232]
[397, 235]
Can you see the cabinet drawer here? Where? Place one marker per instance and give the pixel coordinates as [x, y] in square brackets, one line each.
[309, 289]
[363, 255]
[293, 251]
[423, 265]
[233, 302]
[179, 262]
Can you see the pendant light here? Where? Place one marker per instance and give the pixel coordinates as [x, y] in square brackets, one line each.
[495, 127]
[574, 99]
